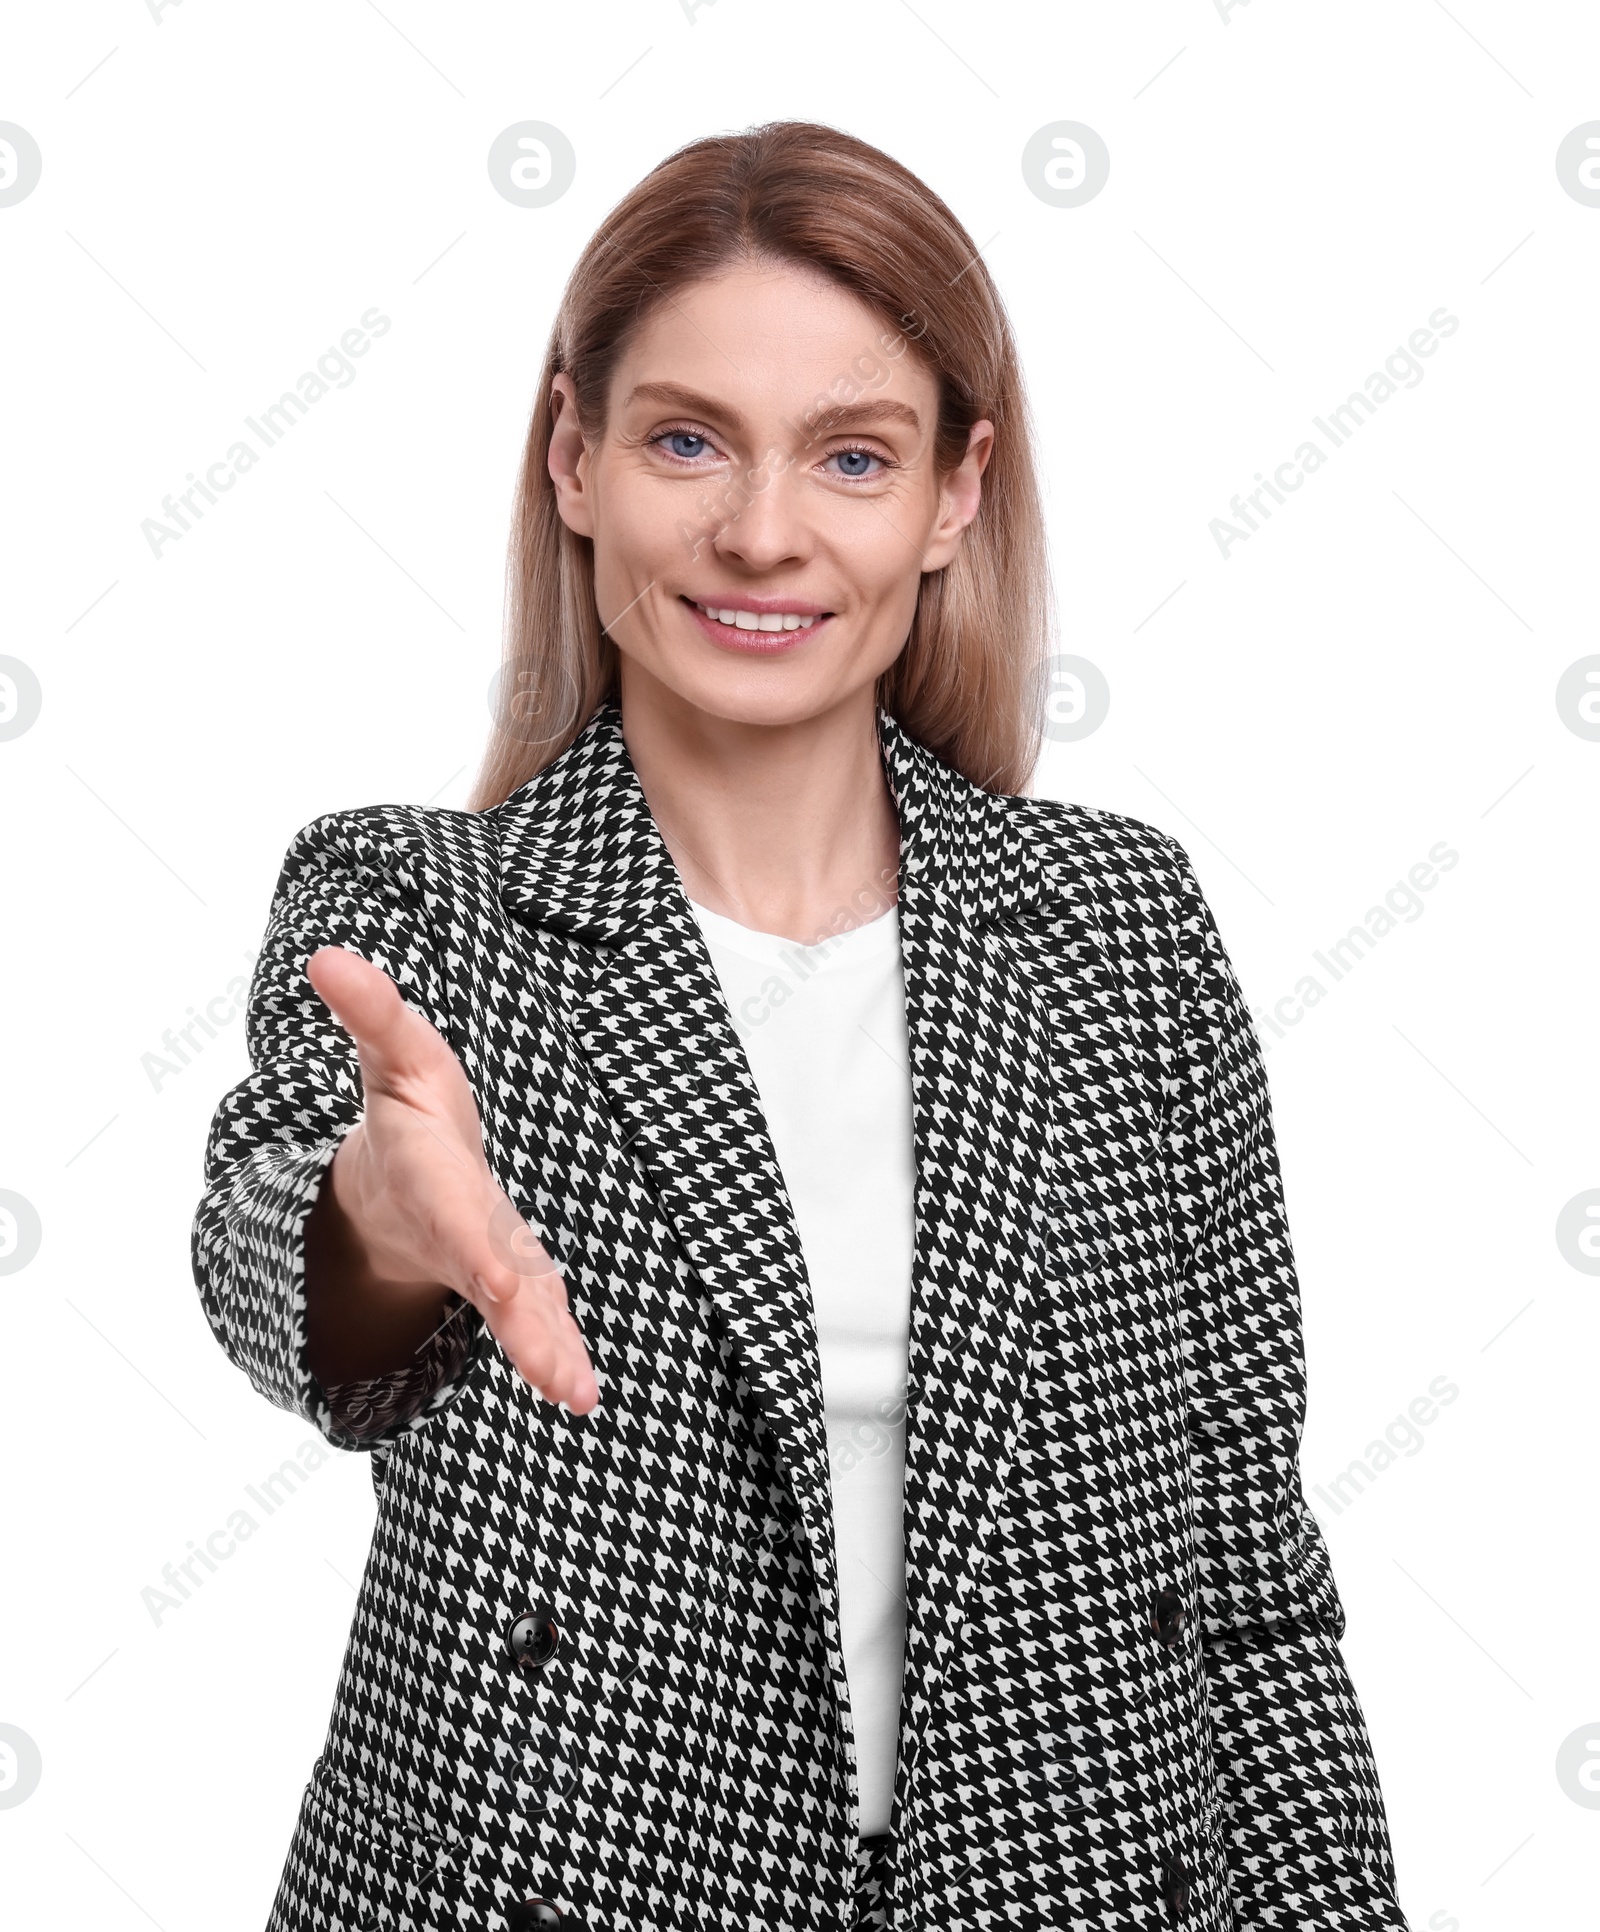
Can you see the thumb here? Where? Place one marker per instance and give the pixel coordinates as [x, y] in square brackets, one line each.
[366, 1003]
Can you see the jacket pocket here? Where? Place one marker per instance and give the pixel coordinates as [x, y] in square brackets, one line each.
[1213, 1895]
[363, 1867]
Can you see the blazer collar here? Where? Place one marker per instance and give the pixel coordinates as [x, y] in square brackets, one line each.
[580, 853]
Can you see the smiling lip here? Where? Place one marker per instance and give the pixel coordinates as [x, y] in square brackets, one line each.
[753, 639]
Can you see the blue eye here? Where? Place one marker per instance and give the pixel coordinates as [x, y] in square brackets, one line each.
[676, 437]
[854, 461]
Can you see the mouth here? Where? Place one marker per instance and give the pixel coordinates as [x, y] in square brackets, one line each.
[774, 626]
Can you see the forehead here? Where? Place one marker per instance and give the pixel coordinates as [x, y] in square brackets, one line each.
[773, 337]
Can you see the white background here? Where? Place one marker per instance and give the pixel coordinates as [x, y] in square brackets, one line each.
[1294, 188]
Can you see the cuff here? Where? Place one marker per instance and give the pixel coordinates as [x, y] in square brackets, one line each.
[380, 1403]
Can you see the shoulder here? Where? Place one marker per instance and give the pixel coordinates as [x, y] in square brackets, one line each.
[1125, 889]
[1115, 882]
[1128, 868]
[418, 851]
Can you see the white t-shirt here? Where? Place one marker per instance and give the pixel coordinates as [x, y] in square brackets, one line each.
[824, 1030]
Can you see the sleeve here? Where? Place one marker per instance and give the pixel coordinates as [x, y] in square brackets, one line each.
[1306, 1831]
[272, 1138]
[372, 1406]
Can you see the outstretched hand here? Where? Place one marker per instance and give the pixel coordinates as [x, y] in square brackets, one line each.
[417, 1196]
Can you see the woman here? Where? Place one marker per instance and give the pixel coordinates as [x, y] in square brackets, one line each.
[794, 1222]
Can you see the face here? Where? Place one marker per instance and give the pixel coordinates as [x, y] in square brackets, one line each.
[763, 500]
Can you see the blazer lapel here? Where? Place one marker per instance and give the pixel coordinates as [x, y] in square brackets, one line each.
[1021, 1053]
[581, 857]
[981, 1106]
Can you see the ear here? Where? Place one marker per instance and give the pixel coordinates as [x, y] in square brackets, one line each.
[568, 459]
[959, 495]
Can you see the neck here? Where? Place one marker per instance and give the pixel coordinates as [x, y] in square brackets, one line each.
[787, 828]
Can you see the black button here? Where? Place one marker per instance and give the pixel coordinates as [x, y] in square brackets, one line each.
[1176, 1878]
[530, 1913]
[533, 1640]
[1167, 1617]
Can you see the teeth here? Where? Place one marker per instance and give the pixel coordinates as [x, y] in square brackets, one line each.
[749, 620]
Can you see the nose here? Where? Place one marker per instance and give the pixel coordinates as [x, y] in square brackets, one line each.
[764, 525]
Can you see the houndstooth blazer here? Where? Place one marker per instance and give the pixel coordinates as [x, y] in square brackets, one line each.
[594, 1678]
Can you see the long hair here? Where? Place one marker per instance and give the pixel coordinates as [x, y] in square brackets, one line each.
[968, 683]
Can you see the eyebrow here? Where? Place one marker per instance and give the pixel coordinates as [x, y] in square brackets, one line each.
[819, 421]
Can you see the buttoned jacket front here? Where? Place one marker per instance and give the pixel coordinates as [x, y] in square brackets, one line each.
[1124, 1702]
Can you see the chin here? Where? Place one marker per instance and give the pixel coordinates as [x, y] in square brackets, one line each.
[763, 694]
[752, 698]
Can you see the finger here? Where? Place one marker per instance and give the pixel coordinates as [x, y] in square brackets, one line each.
[523, 1297]
[362, 997]
[542, 1342]
[519, 1251]
[581, 1391]
[394, 1041]
[585, 1395]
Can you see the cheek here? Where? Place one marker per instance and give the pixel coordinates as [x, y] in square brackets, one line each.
[882, 562]
[635, 522]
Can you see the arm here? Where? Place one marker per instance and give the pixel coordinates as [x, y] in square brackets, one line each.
[275, 1135]
[1308, 1841]
[349, 1201]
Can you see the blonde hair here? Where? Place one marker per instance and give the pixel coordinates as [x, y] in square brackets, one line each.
[969, 683]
